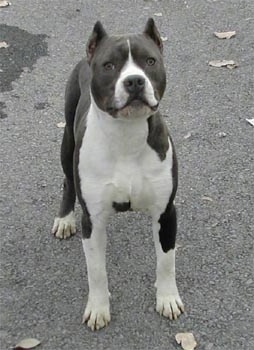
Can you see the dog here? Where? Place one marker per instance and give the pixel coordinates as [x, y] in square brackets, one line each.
[117, 155]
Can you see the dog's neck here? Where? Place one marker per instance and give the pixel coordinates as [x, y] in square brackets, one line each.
[124, 137]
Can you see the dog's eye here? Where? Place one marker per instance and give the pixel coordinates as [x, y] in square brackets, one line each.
[109, 66]
[150, 61]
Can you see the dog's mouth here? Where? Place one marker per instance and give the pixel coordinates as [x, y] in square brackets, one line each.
[133, 103]
[139, 103]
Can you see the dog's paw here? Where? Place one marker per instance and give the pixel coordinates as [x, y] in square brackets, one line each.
[170, 306]
[64, 227]
[97, 316]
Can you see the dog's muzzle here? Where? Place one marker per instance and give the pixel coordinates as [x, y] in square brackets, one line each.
[135, 87]
[134, 95]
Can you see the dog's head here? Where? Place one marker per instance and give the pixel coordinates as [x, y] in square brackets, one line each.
[128, 75]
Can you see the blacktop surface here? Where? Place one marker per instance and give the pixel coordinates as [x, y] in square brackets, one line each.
[43, 280]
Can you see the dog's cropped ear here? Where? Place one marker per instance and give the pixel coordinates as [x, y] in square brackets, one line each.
[96, 36]
[152, 31]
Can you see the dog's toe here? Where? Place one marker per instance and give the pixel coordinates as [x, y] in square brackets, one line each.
[96, 317]
[64, 227]
[170, 306]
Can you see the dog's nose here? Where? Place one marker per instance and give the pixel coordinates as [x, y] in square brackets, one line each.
[134, 83]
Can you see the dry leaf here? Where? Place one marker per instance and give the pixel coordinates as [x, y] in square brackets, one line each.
[223, 63]
[186, 340]
[61, 125]
[158, 14]
[187, 136]
[222, 134]
[232, 66]
[225, 35]
[3, 45]
[4, 3]
[164, 38]
[206, 198]
[250, 121]
[27, 344]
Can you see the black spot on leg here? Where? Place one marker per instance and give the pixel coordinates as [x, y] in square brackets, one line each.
[86, 222]
[121, 206]
[168, 228]
[168, 219]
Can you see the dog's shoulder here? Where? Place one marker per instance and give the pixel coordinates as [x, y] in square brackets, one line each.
[158, 135]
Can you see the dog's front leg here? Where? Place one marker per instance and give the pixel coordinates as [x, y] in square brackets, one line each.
[168, 301]
[97, 314]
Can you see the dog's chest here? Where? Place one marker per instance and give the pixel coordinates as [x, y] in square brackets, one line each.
[116, 165]
[130, 182]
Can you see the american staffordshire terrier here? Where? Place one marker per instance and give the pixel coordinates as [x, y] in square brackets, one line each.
[117, 155]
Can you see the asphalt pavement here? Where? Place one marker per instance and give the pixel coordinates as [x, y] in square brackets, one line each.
[43, 280]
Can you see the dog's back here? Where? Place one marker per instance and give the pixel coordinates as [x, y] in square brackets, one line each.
[77, 93]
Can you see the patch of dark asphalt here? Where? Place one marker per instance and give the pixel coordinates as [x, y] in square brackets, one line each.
[2, 114]
[41, 105]
[23, 51]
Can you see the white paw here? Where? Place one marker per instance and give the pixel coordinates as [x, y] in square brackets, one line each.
[96, 316]
[64, 227]
[170, 305]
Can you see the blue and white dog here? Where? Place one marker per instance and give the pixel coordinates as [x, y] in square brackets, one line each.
[117, 155]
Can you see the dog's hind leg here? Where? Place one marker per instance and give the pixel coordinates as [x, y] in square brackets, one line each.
[64, 224]
[168, 301]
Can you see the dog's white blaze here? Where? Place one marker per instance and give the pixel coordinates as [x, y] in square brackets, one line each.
[131, 68]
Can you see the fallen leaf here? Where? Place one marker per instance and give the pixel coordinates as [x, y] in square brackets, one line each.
[206, 198]
[27, 344]
[187, 136]
[224, 35]
[164, 38]
[4, 3]
[223, 63]
[186, 340]
[61, 125]
[222, 134]
[232, 66]
[3, 45]
[158, 14]
[250, 121]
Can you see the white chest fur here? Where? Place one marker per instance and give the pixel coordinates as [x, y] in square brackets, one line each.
[117, 165]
